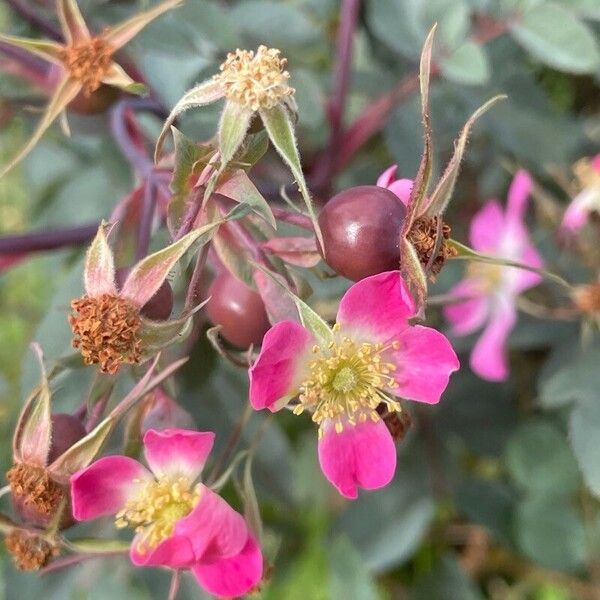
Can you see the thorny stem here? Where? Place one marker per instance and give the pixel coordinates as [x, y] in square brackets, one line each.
[33, 16]
[337, 103]
[175, 583]
[232, 443]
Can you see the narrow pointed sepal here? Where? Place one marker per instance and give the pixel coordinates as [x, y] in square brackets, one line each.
[207, 92]
[67, 90]
[72, 23]
[233, 127]
[50, 51]
[280, 128]
[150, 273]
[117, 77]
[121, 34]
[99, 272]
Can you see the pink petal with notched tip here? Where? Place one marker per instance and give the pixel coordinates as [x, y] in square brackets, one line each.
[177, 451]
[362, 455]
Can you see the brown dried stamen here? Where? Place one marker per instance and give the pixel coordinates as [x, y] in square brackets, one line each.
[29, 550]
[35, 490]
[105, 331]
[423, 237]
[397, 423]
[88, 63]
[587, 298]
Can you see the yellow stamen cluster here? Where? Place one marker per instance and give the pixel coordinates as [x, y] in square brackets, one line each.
[157, 508]
[88, 63]
[29, 550]
[348, 381]
[255, 80]
[105, 331]
[487, 275]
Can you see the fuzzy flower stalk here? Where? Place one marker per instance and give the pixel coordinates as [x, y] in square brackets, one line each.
[346, 375]
[491, 290]
[255, 85]
[84, 60]
[108, 327]
[178, 523]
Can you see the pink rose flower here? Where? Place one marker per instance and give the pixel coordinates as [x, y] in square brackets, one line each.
[373, 357]
[492, 290]
[178, 524]
[587, 200]
[400, 187]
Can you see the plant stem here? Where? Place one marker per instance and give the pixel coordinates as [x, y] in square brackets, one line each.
[47, 240]
[146, 218]
[342, 75]
[33, 16]
[175, 583]
[302, 221]
[191, 298]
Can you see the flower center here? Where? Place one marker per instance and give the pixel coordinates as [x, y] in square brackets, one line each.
[348, 381]
[256, 80]
[423, 236]
[105, 331]
[157, 508]
[488, 276]
[88, 63]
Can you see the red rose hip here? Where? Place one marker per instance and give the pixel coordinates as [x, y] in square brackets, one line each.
[238, 309]
[361, 231]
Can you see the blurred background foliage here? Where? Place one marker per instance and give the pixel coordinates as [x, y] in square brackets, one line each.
[496, 491]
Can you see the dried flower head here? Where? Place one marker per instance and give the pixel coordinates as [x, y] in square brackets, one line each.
[88, 62]
[587, 298]
[423, 236]
[36, 495]
[29, 550]
[105, 330]
[256, 80]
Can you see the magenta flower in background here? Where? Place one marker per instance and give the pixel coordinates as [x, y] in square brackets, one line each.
[400, 187]
[492, 290]
[178, 523]
[372, 357]
[587, 200]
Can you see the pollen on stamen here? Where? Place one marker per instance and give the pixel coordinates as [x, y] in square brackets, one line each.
[256, 80]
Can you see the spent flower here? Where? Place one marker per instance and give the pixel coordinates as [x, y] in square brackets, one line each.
[370, 359]
[179, 523]
[587, 201]
[85, 61]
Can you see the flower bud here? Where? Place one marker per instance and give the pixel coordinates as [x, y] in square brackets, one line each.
[66, 431]
[238, 309]
[361, 231]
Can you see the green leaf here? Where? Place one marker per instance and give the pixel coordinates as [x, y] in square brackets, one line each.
[558, 38]
[204, 93]
[238, 186]
[233, 126]
[539, 459]
[349, 577]
[156, 335]
[442, 194]
[309, 318]
[467, 65]
[280, 128]
[584, 426]
[447, 581]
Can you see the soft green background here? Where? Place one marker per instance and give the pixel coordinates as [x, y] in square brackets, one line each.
[521, 459]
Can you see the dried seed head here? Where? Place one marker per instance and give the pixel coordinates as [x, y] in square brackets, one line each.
[423, 237]
[105, 331]
[256, 80]
[35, 494]
[88, 63]
[587, 298]
[29, 550]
